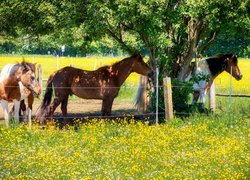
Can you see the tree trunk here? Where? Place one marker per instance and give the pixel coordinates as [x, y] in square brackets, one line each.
[185, 66]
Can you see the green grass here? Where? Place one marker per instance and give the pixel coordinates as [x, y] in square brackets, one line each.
[213, 146]
[200, 147]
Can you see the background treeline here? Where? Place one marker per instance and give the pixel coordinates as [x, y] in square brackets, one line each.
[106, 47]
[170, 32]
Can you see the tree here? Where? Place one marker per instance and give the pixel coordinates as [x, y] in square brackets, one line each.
[172, 30]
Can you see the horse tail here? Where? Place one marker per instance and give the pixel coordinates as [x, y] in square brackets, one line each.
[47, 98]
[142, 100]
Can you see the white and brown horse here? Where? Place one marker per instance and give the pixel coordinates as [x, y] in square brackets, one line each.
[17, 82]
[205, 71]
[203, 74]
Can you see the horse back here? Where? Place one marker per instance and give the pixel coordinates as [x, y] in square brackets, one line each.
[5, 72]
[64, 77]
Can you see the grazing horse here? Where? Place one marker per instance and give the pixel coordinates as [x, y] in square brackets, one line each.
[208, 69]
[103, 83]
[17, 81]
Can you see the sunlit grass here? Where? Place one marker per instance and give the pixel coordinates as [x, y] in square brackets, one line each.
[214, 146]
[200, 147]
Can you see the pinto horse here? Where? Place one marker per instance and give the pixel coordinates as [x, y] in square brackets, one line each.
[103, 83]
[208, 69]
[17, 81]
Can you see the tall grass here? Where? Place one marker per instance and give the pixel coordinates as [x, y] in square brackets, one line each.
[214, 146]
[201, 147]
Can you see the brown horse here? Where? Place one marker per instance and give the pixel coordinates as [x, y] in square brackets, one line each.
[17, 81]
[103, 83]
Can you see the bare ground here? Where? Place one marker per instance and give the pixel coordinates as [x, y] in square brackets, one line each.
[82, 108]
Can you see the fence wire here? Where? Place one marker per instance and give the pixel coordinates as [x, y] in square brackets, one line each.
[151, 114]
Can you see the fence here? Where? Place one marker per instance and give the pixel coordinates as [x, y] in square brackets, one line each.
[167, 89]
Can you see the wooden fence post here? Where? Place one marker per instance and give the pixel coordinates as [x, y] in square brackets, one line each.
[212, 104]
[40, 78]
[168, 98]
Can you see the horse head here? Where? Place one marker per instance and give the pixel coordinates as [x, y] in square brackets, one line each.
[28, 78]
[232, 63]
[140, 67]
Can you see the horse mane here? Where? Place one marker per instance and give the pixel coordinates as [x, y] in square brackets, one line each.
[121, 61]
[221, 56]
[14, 69]
[28, 66]
[25, 65]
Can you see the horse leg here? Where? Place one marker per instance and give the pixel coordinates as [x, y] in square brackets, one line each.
[203, 97]
[16, 111]
[6, 112]
[51, 110]
[22, 109]
[53, 106]
[30, 103]
[107, 106]
[196, 95]
[64, 108]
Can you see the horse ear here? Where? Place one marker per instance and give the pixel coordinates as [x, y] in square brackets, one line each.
[234, 56]
[26, 66]
[227, 59]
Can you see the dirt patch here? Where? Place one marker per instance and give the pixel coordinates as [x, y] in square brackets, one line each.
[81, 108]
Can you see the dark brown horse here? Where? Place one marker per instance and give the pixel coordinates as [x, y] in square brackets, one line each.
[103, 83]
[17, 81]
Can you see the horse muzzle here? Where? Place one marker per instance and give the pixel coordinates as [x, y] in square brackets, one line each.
[151, 76]
[36, 94]
[239, 77]
[36, 91]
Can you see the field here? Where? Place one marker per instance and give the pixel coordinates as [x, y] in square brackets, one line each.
[214, 146]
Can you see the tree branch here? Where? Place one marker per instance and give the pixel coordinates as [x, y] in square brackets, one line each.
[151, 50]
[210, 42]
[119, 38]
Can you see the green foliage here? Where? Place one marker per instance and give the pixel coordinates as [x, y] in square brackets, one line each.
[200, 77]
[171, 31]
[181, 92]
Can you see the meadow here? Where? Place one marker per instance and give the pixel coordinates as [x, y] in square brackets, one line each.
[201, 146]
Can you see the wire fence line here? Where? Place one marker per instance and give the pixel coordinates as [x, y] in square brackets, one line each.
[125, 115]
[128, 86]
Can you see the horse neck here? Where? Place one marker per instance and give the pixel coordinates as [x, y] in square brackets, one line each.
[11, 82]
[122, 70]
[216, 66]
